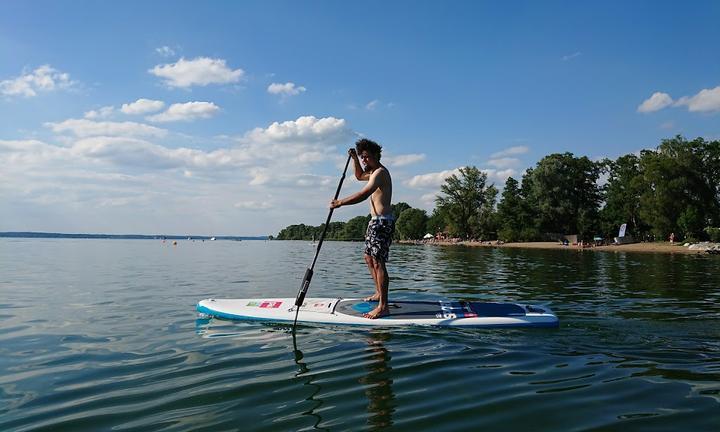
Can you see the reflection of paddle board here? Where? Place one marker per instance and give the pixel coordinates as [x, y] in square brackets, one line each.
[402, 313]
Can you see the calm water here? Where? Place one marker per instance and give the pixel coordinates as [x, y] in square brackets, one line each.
[103, 335]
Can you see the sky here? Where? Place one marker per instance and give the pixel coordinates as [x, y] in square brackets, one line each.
[234, 118]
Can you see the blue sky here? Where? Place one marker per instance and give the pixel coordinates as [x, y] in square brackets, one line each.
[234, 117]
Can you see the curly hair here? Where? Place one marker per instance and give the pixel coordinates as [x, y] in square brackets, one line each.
[371, 146]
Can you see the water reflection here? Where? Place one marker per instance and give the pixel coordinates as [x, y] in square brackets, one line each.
[308, 380]
[377, 382]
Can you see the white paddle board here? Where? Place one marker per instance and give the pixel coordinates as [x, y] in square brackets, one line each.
[402, 313]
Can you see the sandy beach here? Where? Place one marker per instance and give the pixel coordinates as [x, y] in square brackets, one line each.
[655, 247]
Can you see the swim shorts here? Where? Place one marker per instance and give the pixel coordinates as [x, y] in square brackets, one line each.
[378, 238]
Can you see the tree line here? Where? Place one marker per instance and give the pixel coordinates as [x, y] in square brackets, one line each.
[674, 188]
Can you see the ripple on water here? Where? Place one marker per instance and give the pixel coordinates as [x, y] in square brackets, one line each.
[112, 341]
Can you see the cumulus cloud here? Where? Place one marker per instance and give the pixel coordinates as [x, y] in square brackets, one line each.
[403, 159]
[85, 128]
[306, 129]
[287, 89]
[200, 71]
[705, 100]
[142, 106]
[123, 167]
[188, 111]
[512, 151]
[43, 79]
[656, 102]
[431, 180]
[99, 113]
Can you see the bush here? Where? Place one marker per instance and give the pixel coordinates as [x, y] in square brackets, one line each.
[714, 234]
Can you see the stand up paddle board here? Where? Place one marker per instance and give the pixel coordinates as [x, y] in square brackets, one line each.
[402, 313]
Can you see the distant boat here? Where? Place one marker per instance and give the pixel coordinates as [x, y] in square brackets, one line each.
[212, 239]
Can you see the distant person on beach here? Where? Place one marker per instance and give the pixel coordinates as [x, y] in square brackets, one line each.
[672, 237]
[378, 236]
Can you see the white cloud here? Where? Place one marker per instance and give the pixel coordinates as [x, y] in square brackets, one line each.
[656, 102]
[200, 71]
[165, 51]
[142, 106]
[512, 151]
[704, 100]
[429, 198]
[403, 160]
[504, 162]
[431, 180]
[111, 171]
[253, 205]
[306, 129]
[188, 111]
[498, 176]
[100, 113]
[287, 89]
[571, 56]
[43, 79]
[372, 105]
[85, 128]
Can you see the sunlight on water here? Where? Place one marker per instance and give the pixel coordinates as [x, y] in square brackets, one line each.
[103, 334]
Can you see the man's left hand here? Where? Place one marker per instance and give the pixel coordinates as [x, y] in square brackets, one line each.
[335, 203]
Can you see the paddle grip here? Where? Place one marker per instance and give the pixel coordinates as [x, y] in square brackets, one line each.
[304, 287]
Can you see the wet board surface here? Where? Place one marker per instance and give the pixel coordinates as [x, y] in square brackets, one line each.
[402, 313]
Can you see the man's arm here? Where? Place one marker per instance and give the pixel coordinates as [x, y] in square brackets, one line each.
[360, 173]
[373, 183]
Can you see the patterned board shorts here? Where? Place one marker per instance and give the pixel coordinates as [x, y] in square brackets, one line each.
[378, 238]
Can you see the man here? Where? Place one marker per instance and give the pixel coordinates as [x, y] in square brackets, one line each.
[382, 223]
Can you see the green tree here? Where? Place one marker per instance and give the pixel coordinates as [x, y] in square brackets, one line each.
[411, 224]
[681, 194]
[510, 212]
[398, 208]
[465, 200]
[566, 194]
[437, 222]
[624, 187]
[355, 228]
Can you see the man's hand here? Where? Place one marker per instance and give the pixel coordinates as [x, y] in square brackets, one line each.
[353, 153]
[335, 203]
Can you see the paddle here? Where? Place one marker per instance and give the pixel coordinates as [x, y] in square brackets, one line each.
[309, 272]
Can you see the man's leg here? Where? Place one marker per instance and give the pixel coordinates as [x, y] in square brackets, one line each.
[382, 283]
[371, 268]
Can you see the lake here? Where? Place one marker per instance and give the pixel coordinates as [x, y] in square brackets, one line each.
[103, 335]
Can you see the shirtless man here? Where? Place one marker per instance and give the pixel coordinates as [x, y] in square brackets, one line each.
[382, 224]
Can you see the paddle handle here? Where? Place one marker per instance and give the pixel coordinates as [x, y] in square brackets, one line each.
[309, 272]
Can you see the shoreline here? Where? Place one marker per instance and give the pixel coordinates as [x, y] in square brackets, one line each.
[654, 247]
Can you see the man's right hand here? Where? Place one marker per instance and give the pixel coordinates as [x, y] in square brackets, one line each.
[352, 152]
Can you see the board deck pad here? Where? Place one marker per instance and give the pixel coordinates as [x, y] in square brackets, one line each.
[436, 309]
[449, 313]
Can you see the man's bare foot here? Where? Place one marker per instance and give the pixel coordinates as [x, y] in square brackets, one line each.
[378, 312]
[374, 297]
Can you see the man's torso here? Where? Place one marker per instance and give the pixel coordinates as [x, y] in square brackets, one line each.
[382, 197]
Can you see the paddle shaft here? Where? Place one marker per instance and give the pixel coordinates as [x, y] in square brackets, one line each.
[309, 272]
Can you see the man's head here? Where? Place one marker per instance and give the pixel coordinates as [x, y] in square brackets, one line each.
[369, 152]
